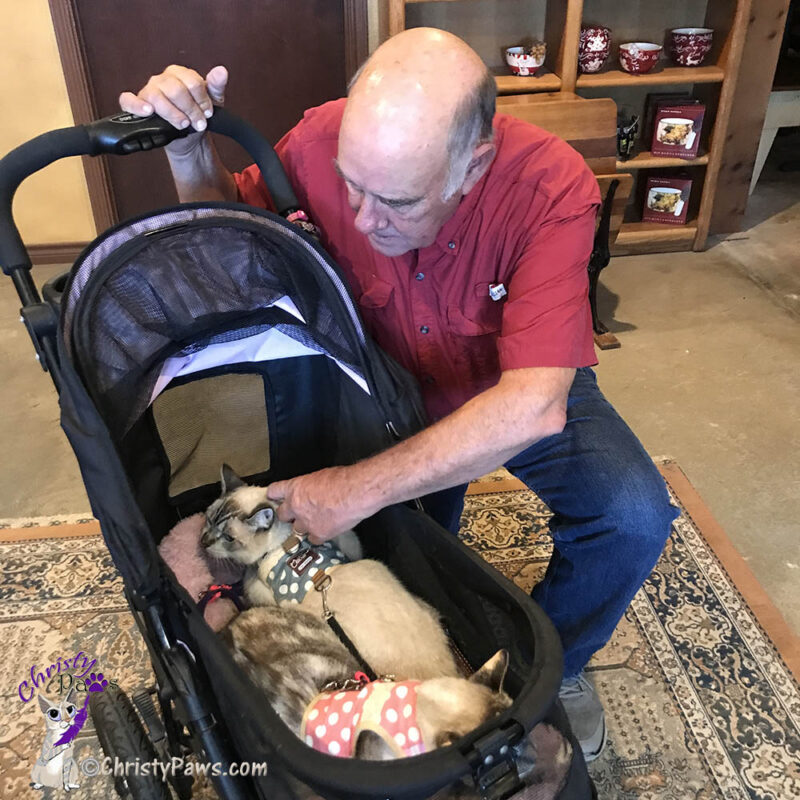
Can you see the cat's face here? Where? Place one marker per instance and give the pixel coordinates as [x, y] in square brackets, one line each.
[449, 708]
[242, 524]
[58, 716]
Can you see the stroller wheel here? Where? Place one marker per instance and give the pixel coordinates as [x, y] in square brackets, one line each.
[124, 740]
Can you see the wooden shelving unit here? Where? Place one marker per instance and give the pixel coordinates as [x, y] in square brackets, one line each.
[514, 84]
[650, 237]
[646, 160]
[558, 23]
[659, 76]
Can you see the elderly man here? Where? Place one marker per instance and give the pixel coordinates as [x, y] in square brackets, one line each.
[465, 237]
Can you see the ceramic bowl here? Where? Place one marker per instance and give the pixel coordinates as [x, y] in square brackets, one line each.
[690, 46]
[639, 57]
[594, 48]
[525, 61]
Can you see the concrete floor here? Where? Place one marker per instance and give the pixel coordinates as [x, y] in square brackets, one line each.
[709, 373]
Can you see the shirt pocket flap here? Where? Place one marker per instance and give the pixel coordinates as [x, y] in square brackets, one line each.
[463, 325]
[376, 294]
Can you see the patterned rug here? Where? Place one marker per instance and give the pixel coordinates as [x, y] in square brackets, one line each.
[699, 699]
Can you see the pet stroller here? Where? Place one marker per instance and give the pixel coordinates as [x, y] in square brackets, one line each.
[211, 332]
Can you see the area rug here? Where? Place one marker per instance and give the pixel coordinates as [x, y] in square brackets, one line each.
[696, 680]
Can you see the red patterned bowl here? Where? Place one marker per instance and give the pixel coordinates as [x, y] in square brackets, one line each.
[639, 57]
[594, 47]
[690, 46]
[524, 61]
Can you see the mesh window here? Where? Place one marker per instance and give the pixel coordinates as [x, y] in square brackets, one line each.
[209, 421]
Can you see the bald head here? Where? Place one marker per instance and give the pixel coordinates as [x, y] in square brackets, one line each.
[418, 121]
[423, 92]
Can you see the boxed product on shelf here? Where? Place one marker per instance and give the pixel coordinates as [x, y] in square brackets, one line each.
[656, 100]
[666, 200]
[676, 130]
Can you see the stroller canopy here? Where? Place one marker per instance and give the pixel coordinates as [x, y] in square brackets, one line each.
[217, 332]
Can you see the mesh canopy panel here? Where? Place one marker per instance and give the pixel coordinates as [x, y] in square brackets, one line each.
[191, 283]
[202, 422]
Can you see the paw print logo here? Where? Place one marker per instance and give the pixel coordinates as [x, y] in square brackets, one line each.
[96, 682]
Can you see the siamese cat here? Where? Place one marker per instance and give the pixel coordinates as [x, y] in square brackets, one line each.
[56, 767]
[292, 655]
[395, 632]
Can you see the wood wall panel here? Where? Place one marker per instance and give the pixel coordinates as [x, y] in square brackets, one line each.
[647, 21]
[488, 25]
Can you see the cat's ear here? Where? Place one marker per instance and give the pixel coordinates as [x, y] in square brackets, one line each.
[261, 519]
[44, 703]
[68, 698]
[493, 672]
[229, 479]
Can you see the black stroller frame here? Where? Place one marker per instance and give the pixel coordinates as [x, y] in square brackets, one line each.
[203, 703]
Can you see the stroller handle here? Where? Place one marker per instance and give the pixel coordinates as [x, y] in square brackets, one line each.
[121, 134]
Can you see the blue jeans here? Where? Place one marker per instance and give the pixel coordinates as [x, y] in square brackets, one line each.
[611, 518]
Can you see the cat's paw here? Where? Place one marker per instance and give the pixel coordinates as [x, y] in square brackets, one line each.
[96, 683]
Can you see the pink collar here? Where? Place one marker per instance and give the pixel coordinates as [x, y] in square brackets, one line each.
[334, 720]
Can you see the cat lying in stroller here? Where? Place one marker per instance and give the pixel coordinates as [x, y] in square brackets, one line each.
[287, 649]
[293, 655]
[395, 632]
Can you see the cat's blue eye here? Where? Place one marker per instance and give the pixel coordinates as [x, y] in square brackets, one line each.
[227, 537]
[71, 711]
[54, 714]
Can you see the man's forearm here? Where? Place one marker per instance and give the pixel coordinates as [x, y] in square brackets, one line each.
[478, 437]
[200, 175]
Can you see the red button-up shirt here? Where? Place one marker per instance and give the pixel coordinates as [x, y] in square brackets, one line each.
[527, 226]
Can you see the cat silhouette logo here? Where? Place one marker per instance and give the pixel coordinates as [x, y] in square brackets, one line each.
[56, 767]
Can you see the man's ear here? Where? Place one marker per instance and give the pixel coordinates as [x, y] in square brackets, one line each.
[229, 479]
[482, 157]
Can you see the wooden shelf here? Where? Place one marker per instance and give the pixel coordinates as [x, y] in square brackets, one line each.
[652, 237]
[558, 23]
[663, 75]
[646, 160]
[515, 84]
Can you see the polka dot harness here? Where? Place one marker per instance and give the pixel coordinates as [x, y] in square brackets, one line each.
[334, 720]
[299, 567]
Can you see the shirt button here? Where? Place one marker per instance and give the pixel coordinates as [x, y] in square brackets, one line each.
[420, 276]
[424, 329]
[451, 245]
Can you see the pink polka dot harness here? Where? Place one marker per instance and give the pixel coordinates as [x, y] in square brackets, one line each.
[334, 720]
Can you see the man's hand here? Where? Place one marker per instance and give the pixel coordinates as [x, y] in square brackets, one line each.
[182, 97]
[322, 504]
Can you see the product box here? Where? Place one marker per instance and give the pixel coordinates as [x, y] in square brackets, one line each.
[666, 200]
[657, 100]
[676, 130]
